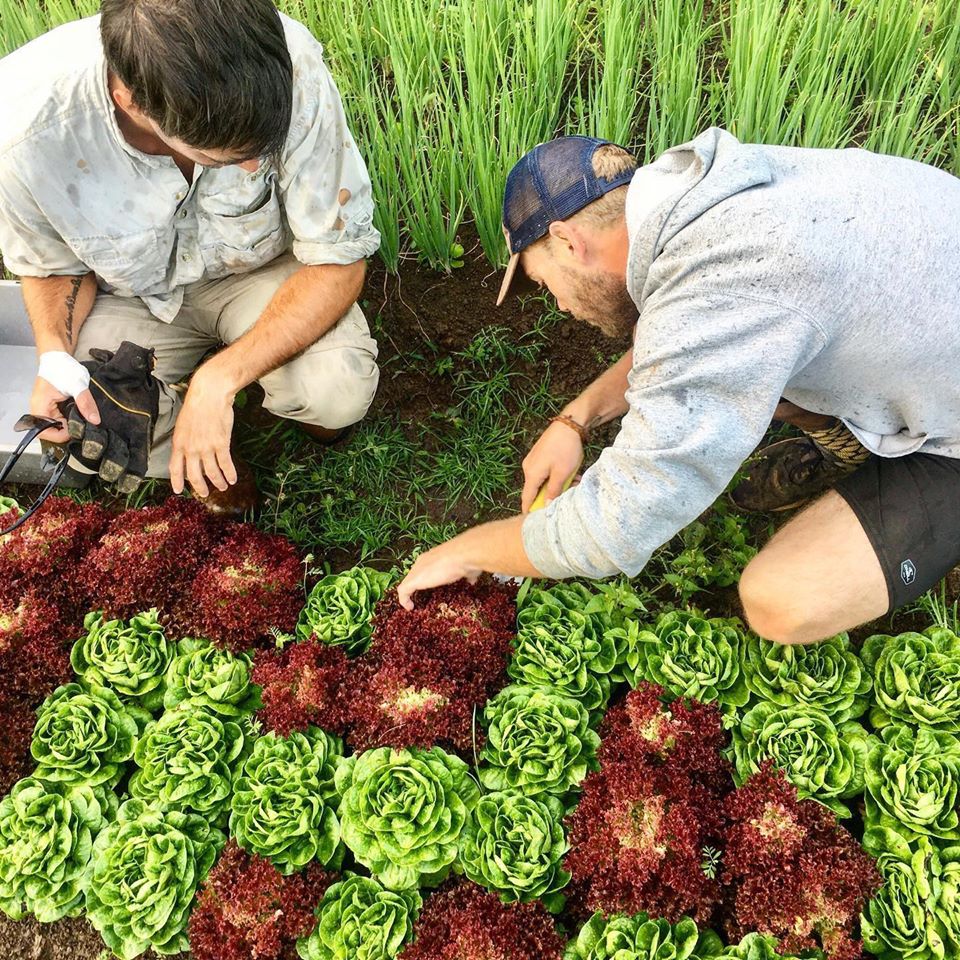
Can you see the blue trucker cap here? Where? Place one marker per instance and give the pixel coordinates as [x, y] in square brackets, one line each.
[551, 182]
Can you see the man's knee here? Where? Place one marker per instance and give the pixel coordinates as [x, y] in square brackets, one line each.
[332, 389]
[771, 610]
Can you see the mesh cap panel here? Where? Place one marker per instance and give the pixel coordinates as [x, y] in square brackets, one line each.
[551, 182]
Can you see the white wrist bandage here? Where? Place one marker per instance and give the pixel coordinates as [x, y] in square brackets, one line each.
[63, 372]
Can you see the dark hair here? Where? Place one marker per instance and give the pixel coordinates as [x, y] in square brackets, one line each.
[212, 73]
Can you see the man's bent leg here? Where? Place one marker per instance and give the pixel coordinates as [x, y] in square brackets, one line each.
[178, 347]
[818, 575]
[332, 383]
[886, 534]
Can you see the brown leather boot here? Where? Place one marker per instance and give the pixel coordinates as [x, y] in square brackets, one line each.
[240, 499]
[790, 473]
[325, 437]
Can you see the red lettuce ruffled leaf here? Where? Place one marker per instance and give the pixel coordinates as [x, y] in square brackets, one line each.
[641, 832]
[303, 685]
[462, 921]
[428, 670]
[34, 650]
[248, 910]
[46, 554]
[251, 584]
[791, 871]
[148, 558]
[17, 721]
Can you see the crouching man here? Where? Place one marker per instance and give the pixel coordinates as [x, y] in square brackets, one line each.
[179, 173]
[818, 286]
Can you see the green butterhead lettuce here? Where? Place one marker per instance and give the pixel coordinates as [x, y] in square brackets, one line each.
[901, 920]
[916, 678]
[207, 676]
[693, 656]
[403, 811]
[284, 800]
[359, 920]
[146, 870]
[756, 946]
[828, 675]
[46, 840]
[85, 736]
[514, 845]
[339, 609]
[640, 937]
[947, 913]
[912, 779]
[821, 759]
[537, 742]
[562, 646]
[129, 658]
[615, 605]
[187, 760]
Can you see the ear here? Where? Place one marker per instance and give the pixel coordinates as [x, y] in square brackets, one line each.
[123, 98]
[573, 239]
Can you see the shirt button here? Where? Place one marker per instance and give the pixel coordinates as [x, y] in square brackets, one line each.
[183, 214]
[186, 258]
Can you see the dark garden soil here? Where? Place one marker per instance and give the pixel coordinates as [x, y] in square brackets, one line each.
[64, 940]
[449, 310]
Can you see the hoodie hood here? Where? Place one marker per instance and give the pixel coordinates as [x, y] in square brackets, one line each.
[680, 185]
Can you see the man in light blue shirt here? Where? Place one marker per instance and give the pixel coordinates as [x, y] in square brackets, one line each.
[182, 175]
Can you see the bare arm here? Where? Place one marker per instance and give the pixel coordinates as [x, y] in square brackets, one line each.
[495, 547]
[558, 453]
[308, 304]
[604, 400]
[58, 307]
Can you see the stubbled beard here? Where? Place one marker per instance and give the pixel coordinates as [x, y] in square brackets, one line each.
[602, 301]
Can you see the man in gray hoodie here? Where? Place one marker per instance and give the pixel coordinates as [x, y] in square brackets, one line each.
[818, 286]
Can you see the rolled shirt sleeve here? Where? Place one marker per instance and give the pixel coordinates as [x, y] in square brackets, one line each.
[708, 373]
[30, 245]
[327, 197]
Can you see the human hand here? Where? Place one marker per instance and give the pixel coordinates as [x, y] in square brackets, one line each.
[553, 460]
[45, 401]
[201, 437]
[441, 565]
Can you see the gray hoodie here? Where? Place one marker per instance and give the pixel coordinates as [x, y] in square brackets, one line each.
[828, 277]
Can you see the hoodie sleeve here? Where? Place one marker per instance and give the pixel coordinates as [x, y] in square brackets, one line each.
[707, 375]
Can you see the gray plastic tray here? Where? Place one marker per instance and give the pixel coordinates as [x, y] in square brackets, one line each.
[18, 369]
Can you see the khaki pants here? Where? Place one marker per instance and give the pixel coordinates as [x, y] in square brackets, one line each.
[331, 383]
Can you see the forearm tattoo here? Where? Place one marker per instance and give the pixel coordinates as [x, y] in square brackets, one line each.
[71, 303]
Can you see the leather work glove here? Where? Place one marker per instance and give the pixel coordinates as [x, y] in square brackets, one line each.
[128, 398]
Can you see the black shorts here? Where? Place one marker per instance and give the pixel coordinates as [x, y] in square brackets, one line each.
[910, 509]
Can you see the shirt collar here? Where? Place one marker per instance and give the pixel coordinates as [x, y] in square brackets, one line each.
[106, 106]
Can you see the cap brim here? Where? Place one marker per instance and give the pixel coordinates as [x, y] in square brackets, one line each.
[508, 278]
